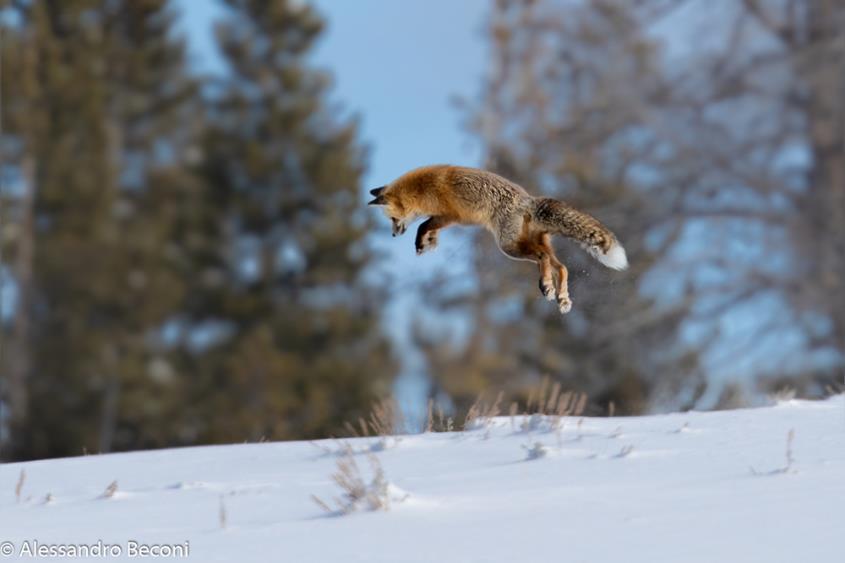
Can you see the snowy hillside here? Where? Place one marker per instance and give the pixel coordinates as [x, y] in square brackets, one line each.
[677, 488]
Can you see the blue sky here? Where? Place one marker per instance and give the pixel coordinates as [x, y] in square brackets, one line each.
[398, 66]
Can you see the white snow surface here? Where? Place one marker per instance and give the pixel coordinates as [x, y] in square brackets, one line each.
[686, 487]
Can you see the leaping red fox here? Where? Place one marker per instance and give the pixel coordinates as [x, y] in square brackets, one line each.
[522, 224]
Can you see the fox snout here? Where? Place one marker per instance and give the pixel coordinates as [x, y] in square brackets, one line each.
[399, 227]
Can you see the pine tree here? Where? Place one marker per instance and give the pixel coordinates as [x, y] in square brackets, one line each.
[101, 83]
[289, 344]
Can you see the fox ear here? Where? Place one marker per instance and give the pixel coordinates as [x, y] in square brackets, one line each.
[377, 191]
[378, 200]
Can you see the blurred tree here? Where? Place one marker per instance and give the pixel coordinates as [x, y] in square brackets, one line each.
[764, 114]
[93, 114]
[722, 167]
[562, 113]
[188, 269]
[15, 224]
[285, 339]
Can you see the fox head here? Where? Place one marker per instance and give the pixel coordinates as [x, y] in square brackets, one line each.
[398, 214]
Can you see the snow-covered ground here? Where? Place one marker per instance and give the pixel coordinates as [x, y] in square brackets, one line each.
[709, 487]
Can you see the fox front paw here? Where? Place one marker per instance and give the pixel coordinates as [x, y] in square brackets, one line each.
[547, 288]
[426, 242]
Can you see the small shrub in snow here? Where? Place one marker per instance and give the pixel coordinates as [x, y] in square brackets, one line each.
[682, 429]
[358, 493]
[534, 423]
[782, 395]
[343, 448]
[384, 443]
[537, 451]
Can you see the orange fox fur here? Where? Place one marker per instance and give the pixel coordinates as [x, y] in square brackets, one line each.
[521, 223]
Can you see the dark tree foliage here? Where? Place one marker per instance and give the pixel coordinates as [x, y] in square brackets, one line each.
[100, 86]
[293, 344]
[187, 266]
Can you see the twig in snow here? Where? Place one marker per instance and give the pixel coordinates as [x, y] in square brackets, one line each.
[221, 514]
[625, 451]
[790, 460]
[110, 490]
[19, 486]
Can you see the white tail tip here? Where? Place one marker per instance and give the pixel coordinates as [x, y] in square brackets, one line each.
[614, 258]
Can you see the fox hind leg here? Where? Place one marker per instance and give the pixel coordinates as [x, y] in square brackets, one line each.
[562, 296]
[563, 301]
[537, 248]
[547, 281]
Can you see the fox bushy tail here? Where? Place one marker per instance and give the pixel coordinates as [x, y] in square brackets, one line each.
[558, 217]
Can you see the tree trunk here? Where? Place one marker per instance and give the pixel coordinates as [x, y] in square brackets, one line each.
[20, 364]
[825, 112]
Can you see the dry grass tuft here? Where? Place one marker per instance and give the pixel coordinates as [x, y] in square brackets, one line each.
[386, 419]
[480, 414]
[358, 493]
[551, 407]
[549, 401]
[835, 388]
[385, 422]
[536, 451]
[545, 409]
